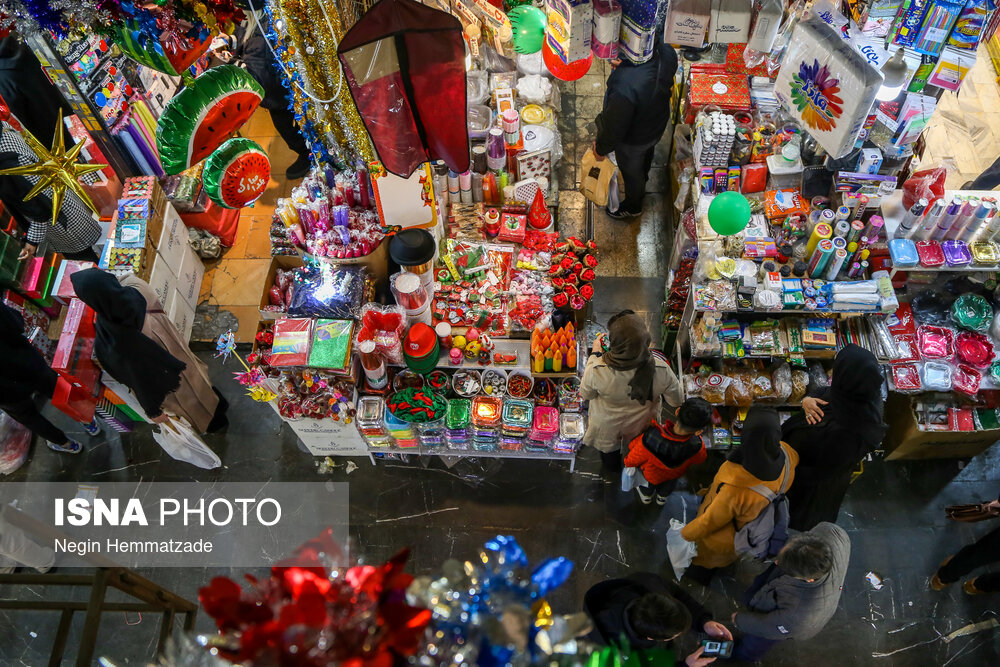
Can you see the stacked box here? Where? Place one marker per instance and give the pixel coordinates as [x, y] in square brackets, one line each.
[457, 423]
[370, 424]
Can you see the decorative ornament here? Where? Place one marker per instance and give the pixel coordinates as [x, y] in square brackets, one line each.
[204, 115]
[528, 23]
[561, 70]
[171, 51]
[253, 378]
[729, 213]
[413, 123]
[57, 168]
[237, 173]
[225, 345]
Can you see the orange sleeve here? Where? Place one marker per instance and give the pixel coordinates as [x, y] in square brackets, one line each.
[637, 455]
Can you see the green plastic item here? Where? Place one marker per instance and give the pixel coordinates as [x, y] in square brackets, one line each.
[528, 24]
[204, 115]
[972, 312]
[729, 213]
[237, 173]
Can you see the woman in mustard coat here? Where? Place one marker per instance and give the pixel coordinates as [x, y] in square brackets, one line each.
[730, 503]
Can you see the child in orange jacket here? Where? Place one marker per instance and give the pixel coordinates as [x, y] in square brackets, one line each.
[664, 453]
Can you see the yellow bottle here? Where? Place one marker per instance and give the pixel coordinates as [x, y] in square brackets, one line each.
[557, 362]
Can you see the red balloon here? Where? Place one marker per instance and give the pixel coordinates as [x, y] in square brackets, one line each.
[561, 70]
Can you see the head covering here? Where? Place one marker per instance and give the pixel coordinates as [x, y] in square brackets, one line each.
[760, 449]
[629, 339]
[131, 357]
[856, 389]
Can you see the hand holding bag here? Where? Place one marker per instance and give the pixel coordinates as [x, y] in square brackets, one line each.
[680, 551]
[973, 512]
[632, 479]
[595, 179]
[178, 439]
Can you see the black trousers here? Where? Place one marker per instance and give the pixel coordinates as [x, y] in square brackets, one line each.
[85, 255]
[284, 123]
[26, 412]
[979, 554]
[989, 179]
[634, 163]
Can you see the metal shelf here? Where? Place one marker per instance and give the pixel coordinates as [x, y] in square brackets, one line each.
[848, 313]
[444, 452]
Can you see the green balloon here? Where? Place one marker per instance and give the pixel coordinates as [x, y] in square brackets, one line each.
[528, 23]
[729, 213]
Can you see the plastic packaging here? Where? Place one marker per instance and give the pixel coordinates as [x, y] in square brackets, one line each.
[906, 378]
[972, 312]
[937, 376]
[925, 184]
[15, 442]
[935, 342]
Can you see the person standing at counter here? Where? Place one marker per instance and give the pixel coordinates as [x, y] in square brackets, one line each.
[624, 385]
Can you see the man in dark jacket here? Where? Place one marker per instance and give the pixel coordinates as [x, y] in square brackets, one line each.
[645, 611]
[798, 595]
[636, 112]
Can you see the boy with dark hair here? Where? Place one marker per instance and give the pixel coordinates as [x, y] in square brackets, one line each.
[798, 595]
[664, 453]
[645, 611]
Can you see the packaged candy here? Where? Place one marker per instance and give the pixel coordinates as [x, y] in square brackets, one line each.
[937, 376]
[935, 342]
[906, 377]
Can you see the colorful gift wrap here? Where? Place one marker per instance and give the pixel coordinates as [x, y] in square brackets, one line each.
[331, 344]
[292, 340]
[935, 342]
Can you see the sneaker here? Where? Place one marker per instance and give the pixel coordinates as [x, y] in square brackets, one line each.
[71, 447]
[936, 583]
[299, 168]
[93, 428]
[970, 588]
[661, 500]
[622, 214]
[645, 496]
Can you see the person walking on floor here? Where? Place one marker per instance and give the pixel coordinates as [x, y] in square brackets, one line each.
[982, 552]
[731, 502]
[16, 546]
[665, 452]
[989, 179]
[798, 595]
[644, 610]
[624, 386]
[26, 373]
[139, 346]
[838, 427]
[635, 114]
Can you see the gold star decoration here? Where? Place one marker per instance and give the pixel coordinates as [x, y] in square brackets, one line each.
[56, 168]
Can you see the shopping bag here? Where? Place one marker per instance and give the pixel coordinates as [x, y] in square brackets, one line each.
[631, 479]
[680, 551]
[15, 441]
[596, 177]
[616, 191]
[180, 441]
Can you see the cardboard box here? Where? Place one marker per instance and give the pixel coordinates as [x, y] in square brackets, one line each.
[172, 239]
[905, 441]
[162, 280]
[182, 315]
[570, 28]
[279, 262]
[190, 276]
[172, 295]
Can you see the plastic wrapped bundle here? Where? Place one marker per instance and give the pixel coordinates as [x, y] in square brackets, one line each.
[324, 290]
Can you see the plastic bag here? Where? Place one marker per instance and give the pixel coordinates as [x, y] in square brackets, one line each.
[817, 378]
[178, 439]
[781, 380]
[15, 442]
[632, 479]
[925, 184]
[800, 385]
[740, 390]
[680, 551]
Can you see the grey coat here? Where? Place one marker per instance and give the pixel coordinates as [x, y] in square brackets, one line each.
[789, 608]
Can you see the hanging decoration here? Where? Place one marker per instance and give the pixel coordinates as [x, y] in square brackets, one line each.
[405, 68]
[252, 377]
[237, 173]
[204, 115]
[56, 168]
[171, 52]
[561, 70]
[304, 35]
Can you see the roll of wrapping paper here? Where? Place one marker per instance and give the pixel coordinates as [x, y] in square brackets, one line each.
[148, 137]
[511, 122]
[855, 234]
[874, 229]
[607, 21]
[144, 166]
[842, 228]
[820, 257]
[859, 210]
[843, 213]
[454, 189]
[837, 263]
[479, 164]
[147, 150]
[496, 150]
[821, 231]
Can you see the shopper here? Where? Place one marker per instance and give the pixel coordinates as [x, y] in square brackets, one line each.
[665, 452]
[75, 231]
[636, 112]
[139, 346]
[624, 386]
[17, 547]
[838, 427]
[797, 595]
[989, 179]
[731, 502]
[982, 552]
[644, 610]
[26, 373]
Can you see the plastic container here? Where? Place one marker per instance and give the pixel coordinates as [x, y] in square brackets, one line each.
[467, 383]
[494, 382]
[479, 119]
[784, 173]
[904, 253]
[520, 374]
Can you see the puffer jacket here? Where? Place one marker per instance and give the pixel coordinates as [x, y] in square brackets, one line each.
[662, 455]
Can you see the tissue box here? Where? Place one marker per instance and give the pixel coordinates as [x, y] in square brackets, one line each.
[570, 27]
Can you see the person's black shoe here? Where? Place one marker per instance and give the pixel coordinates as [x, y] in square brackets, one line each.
[622, 214]
[299, 168]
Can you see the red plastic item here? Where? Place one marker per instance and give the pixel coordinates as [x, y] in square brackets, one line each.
[753, 178]
[966, 380]
[906, 377]
[561, 70]
[74, 400]
[925, 184]
[930, 253]
[223, 222]
[936, 342]
[73, 360]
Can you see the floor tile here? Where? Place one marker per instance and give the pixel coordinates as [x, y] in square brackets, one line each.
[239, 282]
[259, 239]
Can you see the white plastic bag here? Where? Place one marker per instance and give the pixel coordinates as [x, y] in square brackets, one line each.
[180, 441]
[681, 551]
[631, 479]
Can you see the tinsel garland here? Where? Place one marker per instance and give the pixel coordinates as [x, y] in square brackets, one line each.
[305, 39]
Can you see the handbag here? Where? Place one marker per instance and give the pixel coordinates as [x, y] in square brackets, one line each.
[972, 512]
[178, 439]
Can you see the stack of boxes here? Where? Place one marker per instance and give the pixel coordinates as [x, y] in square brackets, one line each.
[486, 416]
[544, 429]
[149, 239]
[10, 266]
[79, 377]
[457, 423]
[115, 412]
[571, 430]
[516, 422]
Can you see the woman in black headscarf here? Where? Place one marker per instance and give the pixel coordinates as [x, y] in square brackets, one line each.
[624, 386]
[836, 429]
[138, 346]
[25, 372]
[731, 502]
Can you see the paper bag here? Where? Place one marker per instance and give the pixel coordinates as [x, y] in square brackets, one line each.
[826, 85]
[686, 23]
[595, 179]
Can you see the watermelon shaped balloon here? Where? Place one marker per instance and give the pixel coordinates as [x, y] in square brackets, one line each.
[172, 56]
[204, 115]
[236, 174]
